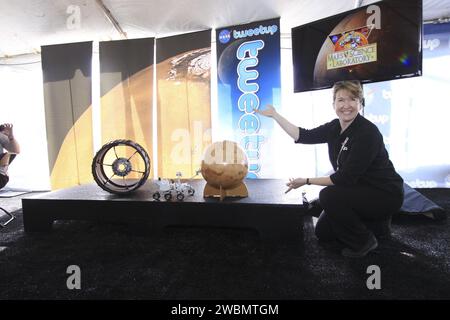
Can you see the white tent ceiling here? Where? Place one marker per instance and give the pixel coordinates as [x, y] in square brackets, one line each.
[27, 24]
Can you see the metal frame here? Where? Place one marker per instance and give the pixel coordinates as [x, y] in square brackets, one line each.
[11, 218]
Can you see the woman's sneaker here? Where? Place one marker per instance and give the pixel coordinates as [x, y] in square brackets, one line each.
[369, 246]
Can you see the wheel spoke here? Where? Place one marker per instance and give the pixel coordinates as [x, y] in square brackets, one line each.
[132, 155]
[109, 179]
[115, 152]
[138, 171]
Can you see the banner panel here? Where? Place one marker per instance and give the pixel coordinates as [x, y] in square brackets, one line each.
[126, 86]
[68, 112]
[248, 70]
[184, 102]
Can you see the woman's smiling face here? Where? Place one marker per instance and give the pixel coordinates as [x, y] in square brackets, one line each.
[346, 105]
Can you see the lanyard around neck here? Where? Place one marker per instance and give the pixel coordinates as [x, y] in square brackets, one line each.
[340, 151]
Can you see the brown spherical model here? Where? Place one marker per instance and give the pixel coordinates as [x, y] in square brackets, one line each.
[224, 166]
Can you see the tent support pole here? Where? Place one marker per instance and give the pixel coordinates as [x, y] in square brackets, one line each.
[111, 18]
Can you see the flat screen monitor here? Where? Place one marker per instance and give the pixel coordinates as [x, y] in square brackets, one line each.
[378, 42]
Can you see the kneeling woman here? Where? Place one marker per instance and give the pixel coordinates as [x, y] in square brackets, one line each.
[364, 186]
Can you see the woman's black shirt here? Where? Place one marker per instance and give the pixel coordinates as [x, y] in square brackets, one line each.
[358, 155]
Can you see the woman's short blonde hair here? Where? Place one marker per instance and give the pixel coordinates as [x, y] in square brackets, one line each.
[353, 86]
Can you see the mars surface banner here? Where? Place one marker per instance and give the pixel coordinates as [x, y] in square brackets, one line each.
[248, 72]
[183, 85]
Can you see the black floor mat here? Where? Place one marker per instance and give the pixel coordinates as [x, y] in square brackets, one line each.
[203, 263]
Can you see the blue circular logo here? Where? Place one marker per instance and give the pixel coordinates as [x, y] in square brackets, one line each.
[224, 36]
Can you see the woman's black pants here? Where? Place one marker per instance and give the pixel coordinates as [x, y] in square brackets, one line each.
[346, 208]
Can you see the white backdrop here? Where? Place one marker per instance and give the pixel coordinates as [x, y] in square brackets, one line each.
[418, 133]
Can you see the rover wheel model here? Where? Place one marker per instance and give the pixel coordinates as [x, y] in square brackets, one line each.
[121, 166]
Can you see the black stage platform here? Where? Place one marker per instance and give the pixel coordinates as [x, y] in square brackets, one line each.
[274, 214]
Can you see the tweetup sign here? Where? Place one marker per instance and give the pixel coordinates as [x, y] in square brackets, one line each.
[248, 71]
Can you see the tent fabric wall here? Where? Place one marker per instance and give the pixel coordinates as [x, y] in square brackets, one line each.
[29, 24]
[68, 113]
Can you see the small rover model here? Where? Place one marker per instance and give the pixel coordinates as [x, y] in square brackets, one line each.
[170, 189]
